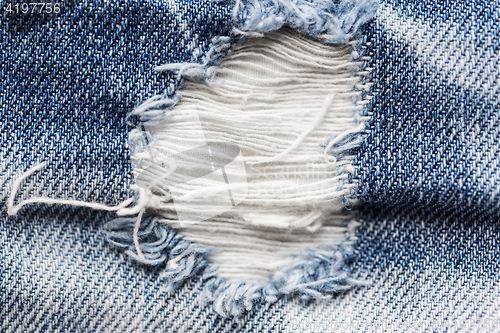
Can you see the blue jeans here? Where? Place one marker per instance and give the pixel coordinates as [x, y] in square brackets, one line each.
[425, 168]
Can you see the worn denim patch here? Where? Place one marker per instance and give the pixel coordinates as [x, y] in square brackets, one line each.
[70, 78]
[77, 82]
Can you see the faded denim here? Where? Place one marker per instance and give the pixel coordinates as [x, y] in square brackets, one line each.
[427, 172]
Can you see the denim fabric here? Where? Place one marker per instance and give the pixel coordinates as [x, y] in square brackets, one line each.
[438, 273]
[433, 137]
[58, 274]
[430, 273]
[428, 167]
[69, 80]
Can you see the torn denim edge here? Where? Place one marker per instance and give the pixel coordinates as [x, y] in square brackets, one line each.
[329, 21]
[366, 84]
[314, 273]
[311, 274]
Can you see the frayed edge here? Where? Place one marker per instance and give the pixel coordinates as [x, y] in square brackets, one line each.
[156, 109]
[353, 139]
[159, 244]
[364, 113]
[329, 21]
[205, 70]
[313, 273]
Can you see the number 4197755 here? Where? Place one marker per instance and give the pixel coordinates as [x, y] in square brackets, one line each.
[33, 7]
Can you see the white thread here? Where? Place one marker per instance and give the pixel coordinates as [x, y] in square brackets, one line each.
[184, 69]
[280, 97]
[272, 105]
[120, 209]
[252, 252]
[13, 209]
[357, 129]
[152, 103]
[145, 200]
[174, 263]
[135, 236]
[328, 102]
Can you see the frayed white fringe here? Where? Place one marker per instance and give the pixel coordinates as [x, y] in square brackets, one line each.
[331, 22]
[277, 99]
[259, 95]
[314, 272]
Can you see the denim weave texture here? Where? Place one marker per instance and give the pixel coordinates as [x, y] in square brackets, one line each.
[69, 80]
[427, 172]
[434, 137]
[58, 274]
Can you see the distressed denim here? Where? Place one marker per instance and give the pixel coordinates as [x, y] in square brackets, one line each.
[70, 79]
[426, 175]
[433, 136]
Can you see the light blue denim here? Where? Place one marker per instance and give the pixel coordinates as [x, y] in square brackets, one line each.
[427, 170]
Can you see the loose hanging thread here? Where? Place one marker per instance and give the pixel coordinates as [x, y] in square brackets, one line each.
[120, 209]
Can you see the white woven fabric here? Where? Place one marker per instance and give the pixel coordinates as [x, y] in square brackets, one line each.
[277, 98]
